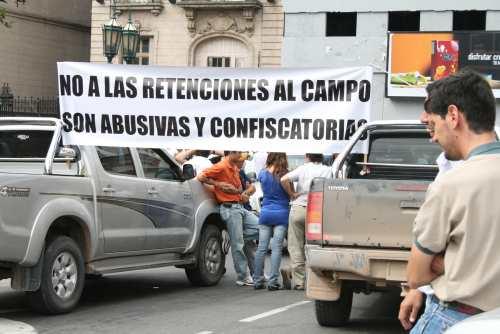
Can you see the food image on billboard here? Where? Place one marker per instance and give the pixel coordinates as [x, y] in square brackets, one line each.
[444, 59]
[416, 59]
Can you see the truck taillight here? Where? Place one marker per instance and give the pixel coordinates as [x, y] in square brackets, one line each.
[314, 216]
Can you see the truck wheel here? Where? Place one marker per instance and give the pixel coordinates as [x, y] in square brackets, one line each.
[211, 259]
[62, 280]
[335, 313]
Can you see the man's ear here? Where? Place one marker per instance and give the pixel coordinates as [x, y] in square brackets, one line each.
[454, 116]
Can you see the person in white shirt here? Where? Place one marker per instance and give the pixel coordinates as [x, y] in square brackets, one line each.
[259, 160]
[303, 176]
[199, 161]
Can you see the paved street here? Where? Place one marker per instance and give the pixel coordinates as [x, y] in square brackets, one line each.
[163, 301]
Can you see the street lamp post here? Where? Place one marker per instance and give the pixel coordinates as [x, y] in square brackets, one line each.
[113, 35]
[111, 38]
[130, 41]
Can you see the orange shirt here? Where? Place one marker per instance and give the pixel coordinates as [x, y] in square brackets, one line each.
[224, 171]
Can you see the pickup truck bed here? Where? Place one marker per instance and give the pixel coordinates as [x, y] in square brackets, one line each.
[359, 225]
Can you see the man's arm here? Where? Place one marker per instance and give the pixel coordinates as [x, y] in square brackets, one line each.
[419, 270]
[206, 180]
[184, 155]
[250, 190]
[288, 187]
[224, 186]
[287, 182]
[431, 233]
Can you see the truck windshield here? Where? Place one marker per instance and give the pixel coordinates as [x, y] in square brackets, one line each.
[24, 143]
[411, 150]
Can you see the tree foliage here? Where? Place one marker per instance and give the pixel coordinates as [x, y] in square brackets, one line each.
[2, 15]
[3, 21]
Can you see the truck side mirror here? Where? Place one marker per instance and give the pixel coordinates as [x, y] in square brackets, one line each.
[67, 153]
[188, 172]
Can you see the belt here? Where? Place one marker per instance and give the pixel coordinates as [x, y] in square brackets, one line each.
[459, 307]
[228, 204]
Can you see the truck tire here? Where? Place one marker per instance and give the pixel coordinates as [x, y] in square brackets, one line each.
[335, 313]
[211, 259]
[62, 280]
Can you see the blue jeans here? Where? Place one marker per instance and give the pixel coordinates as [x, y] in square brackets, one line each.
[242, 225]
[437, 317]
[277, 232]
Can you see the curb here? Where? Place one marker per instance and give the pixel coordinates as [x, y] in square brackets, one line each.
[5, 283]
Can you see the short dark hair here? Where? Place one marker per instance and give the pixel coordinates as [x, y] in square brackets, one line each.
[470, 93]
[226, 153]
[315, 157]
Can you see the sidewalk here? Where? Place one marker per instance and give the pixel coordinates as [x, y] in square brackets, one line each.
[10, 326]
[15, 327]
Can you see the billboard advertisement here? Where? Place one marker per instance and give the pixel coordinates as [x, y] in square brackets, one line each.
[416, 59]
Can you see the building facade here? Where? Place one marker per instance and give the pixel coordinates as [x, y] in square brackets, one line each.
[40, 34]
[335, 33]
[222, 33]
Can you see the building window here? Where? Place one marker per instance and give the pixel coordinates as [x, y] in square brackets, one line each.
[218, 61]
[341, 24]
[469, 20]
[404, 21]
[142, 55]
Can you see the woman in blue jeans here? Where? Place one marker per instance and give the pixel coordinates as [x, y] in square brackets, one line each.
[273, 220]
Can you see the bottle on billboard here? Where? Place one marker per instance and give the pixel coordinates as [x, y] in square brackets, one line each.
[444, 59]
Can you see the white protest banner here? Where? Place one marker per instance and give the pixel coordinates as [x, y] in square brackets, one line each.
[285, 110]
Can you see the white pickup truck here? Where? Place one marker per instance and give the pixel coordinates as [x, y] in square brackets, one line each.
[70, 211]
[359, 225]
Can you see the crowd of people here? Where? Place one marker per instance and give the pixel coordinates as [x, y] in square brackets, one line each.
[282, 213]
[456, 232]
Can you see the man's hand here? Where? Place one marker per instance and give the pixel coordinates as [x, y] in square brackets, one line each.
[437, 265]
[245, 198]
[408, 310]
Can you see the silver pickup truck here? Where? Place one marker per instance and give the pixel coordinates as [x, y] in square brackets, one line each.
[70, 211]
[359, 224]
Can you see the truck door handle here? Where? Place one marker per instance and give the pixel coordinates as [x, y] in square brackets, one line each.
[153, 191]
[108, 190]
[415, 205]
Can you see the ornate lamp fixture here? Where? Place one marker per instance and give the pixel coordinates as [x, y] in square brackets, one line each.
[130, 41]
[113, 35]
[111, 38]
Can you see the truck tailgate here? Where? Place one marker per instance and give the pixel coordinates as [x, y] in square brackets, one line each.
[371, 213]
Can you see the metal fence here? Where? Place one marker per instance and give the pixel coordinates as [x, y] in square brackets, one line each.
[134, 2]
[29, 106]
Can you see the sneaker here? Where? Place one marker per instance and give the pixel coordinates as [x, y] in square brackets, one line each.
[273, 287]
[299, 287]
[287, 279]
[245, 282]
[259, 286]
